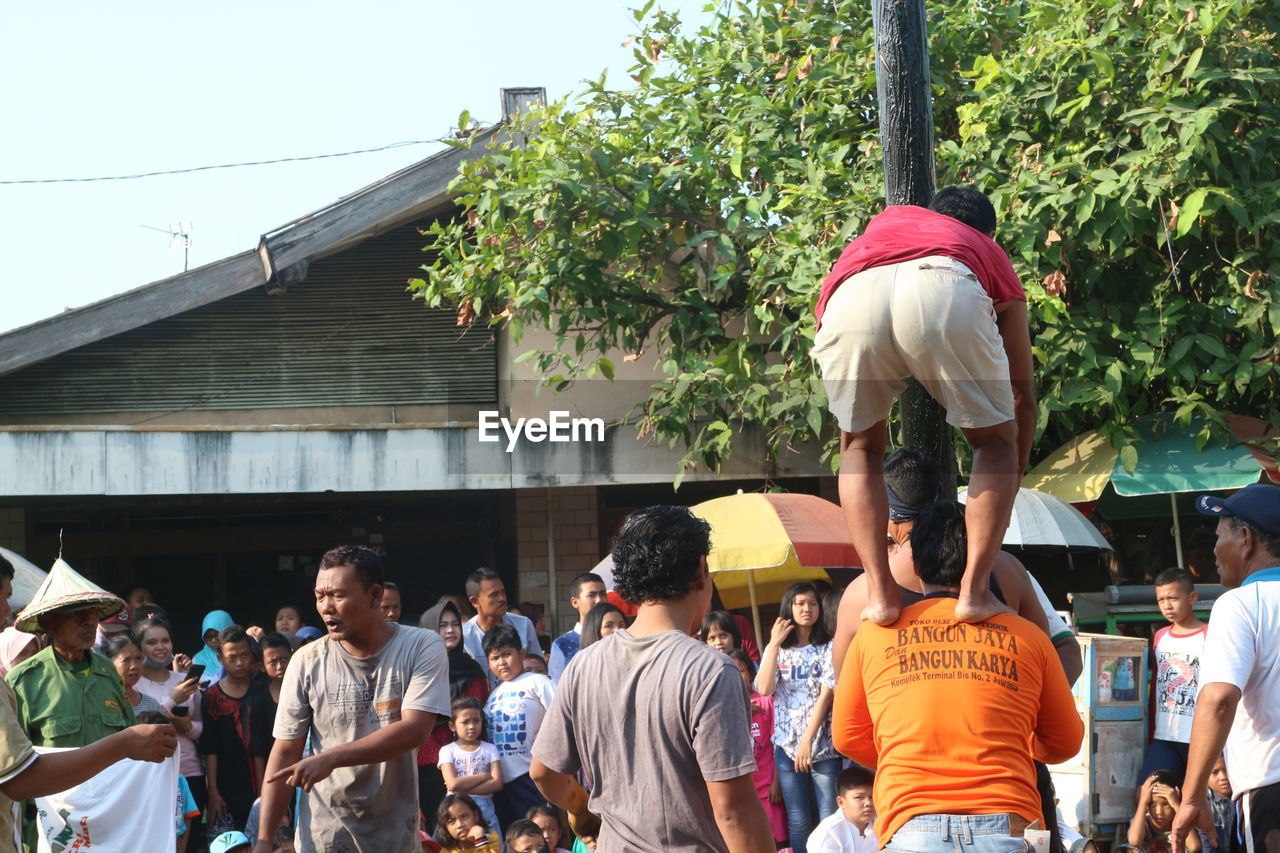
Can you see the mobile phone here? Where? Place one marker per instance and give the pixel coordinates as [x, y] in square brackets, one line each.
[196, 672]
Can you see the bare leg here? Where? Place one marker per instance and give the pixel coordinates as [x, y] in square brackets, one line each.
[866, 511]
[992, 488]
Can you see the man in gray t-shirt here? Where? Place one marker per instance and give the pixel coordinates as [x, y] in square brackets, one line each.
[657, 722]
[367, 694]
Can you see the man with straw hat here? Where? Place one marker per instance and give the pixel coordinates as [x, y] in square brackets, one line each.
[68, 695]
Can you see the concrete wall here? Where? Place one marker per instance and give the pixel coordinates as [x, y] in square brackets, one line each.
[564, 521]
[174, 461]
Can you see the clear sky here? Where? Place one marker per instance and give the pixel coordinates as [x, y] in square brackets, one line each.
[121, 88]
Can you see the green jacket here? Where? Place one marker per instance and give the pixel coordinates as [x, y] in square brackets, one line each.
[60, 706]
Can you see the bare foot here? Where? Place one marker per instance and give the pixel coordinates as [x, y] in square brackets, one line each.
[881, 612]
[979, 608]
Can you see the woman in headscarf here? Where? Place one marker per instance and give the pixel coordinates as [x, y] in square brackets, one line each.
[466, 678]
[214, 623]
[15, 647]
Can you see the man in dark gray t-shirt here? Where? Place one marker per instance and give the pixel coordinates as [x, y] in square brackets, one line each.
[657, 722]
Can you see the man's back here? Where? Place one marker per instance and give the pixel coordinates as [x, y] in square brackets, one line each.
[946, 711]
[650, 720]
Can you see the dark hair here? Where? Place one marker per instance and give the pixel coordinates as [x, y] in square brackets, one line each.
[967, 205]
[544, 811]
[392, 585]
[1176, 575]
[658, 552]
[575, 585]
[501, 636]
[442, 817]
[131, 590]
[594, 621]
[939, 545]
[742, 657]
[276, 640]
[818, 633]
[854, 776]
[914, 475]
[152, 613]
[152, 718]
[295, 608]
[463, 703]
[723, 620]
[365, 561]
[478, 577]
[233, 634]
[1270, 542]
[524, 828]
[6, 568]
[831, 610]
[140, 629]
[1167, 777]
[118, 642]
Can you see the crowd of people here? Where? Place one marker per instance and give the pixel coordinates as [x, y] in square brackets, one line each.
[475, 732]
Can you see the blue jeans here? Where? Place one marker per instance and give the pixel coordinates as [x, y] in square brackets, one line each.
[809, 797]
[951, 833]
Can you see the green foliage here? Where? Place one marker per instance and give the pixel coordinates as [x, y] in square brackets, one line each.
[1130, 147]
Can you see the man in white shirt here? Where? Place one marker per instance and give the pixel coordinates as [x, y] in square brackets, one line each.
[586, 591]
[488, 595]
[1239, 702]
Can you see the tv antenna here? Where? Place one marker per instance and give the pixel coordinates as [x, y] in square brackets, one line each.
[179, 236]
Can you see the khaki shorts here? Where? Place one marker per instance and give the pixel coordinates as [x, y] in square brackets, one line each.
[929, 319]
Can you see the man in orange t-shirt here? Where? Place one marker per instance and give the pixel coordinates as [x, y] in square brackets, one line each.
[951, 713]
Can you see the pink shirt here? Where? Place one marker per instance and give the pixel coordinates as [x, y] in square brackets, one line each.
[762, 742]
[908, 233]
[188, 760]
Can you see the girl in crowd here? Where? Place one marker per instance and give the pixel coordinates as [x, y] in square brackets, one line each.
[127, 657]
[548, 820]
[215, 622]
[765, 777]
[460, 826]
[602, 620]
[288, 620]
[796, 671]
[466, 678]
[179, 698]
[720, 632]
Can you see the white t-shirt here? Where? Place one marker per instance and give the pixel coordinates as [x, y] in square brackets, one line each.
[514, 713]
[836, 835]
[1177, 681]
[1243, 649]
[126, 807]
[802, 673]
[471, 763]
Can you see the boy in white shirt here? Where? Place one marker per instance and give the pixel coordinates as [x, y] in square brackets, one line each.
[1176, 648]
[470, 765]
[848, 828]
[514, 713]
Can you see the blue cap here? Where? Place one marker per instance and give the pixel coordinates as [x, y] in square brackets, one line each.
[308, 632]
[1256, 504]
[228, 841]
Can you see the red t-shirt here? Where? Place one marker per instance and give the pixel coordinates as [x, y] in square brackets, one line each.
[907, 233]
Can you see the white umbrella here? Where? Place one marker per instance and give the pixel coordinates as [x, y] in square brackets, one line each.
[26, 579]
[1039, 520]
